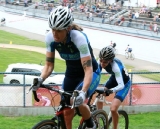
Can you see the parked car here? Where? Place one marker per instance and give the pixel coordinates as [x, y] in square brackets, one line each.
[34, 69]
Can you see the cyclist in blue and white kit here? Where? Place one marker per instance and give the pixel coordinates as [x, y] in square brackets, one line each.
[118, 83]
[81, 67]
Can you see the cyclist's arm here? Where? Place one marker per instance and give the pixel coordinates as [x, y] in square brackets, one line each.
[50, 56]
[49, 65]
[88, 70]
[81, 42]
[118, 76]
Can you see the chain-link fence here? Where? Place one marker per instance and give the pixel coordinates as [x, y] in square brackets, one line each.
[13, 90]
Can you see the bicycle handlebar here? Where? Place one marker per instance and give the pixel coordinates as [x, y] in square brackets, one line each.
[102, 90]
[61, 92]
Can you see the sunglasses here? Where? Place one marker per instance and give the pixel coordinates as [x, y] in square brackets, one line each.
[105, 61]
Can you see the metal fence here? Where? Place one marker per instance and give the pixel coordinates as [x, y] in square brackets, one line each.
[145, 90]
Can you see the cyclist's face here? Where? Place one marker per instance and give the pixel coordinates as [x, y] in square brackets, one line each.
[59, 35]
[104, 63]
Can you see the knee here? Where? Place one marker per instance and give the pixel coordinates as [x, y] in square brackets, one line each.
[99, 105]
[83, 107]
[113, 109]
[69, 114]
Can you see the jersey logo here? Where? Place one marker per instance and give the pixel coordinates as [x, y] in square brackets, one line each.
[70, 48]
[84, 49]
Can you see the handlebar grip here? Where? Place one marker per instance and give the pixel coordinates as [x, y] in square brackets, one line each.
[35, 96]
[108, 92]
[35, 81]
[35, 93]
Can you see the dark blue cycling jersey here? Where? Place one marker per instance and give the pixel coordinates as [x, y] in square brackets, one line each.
[119, 75]
[76, 47]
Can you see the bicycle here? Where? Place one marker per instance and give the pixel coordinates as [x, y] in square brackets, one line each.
[123, 122]
[129, 55]
[58, 122]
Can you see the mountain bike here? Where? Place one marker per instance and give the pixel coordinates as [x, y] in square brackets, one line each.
[129, 55]
[123, 122]
[57, 122]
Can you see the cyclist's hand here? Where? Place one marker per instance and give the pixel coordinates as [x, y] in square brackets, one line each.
[37, 83]
[108, 92]
[80, 98]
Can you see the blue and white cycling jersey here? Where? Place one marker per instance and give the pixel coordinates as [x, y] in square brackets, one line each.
[119, 75]
[76, 47]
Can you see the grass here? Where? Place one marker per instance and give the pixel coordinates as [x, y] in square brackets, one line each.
[136, 121]
[157, 9]
[6, 37]
[152, 76]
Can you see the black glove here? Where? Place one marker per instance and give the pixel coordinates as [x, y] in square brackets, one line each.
[108, 92]
[37, 82]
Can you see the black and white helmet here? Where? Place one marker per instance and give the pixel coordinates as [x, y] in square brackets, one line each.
[107, 53]
[60, 18]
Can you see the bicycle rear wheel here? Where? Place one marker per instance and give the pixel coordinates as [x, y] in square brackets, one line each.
[100, 118]
[132, 56]
[126, 55]
[46, 124]
[123, 121]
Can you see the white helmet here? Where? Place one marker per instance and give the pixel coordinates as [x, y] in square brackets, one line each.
[107, 53]
[60, 18]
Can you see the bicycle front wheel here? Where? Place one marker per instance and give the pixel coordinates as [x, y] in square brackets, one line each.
[46, 124]
[123, 121]
[100, 118]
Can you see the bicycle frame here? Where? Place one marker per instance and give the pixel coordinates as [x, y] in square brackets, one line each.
[130, 55]
[99, 116]
[101, 98]
[63, 106]
[60, 117]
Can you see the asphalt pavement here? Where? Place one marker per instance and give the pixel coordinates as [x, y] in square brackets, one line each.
[137, 63]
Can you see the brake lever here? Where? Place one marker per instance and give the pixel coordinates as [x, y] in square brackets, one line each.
[73, 103]
[75, 94]
[31, 87]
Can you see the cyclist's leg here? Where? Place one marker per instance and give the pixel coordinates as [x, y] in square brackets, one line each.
[118, 99]
[84, 109]
[69, 85]
[130, 52]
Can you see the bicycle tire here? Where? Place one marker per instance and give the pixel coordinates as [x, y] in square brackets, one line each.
[132, 56]
[123, 121]
[97, 116]
[126, 55]
[46, 124]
